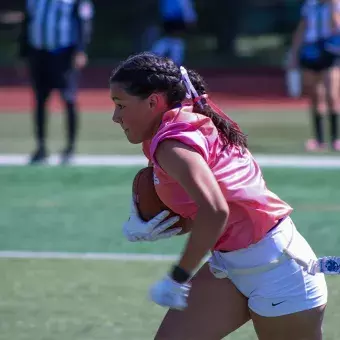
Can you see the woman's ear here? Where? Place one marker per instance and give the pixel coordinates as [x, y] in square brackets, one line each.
[153, 100]
[157, 101]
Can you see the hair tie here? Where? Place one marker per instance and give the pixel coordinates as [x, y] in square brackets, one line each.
[199, 98]
[191, 91]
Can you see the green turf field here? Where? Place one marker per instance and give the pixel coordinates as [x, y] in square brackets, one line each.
[95, 300]
[81, 209]
[272, 132]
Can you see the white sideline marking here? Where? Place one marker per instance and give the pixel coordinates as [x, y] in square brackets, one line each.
[85, 160]
[87, 256]
[273, 161]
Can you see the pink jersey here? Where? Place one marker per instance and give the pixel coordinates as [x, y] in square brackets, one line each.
[254, 210]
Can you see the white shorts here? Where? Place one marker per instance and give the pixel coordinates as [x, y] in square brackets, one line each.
[283, 289]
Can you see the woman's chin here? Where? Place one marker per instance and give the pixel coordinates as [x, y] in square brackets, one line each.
[132, 139]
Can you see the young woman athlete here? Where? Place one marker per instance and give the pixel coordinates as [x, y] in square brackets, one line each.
[205, 173]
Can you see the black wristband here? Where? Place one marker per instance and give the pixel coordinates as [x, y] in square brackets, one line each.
[179, 275]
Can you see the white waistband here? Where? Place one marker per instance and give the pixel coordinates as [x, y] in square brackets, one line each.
[262, 256]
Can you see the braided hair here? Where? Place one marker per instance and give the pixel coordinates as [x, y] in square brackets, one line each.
[145, 73]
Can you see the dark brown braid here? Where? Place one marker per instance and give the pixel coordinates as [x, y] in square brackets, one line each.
[145, 73]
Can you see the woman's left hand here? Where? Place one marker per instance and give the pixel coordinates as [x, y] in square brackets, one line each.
[169, 293]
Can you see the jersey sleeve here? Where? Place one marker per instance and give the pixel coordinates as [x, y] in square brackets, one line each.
[182, 133]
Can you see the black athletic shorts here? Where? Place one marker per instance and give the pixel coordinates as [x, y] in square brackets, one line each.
[314, 57]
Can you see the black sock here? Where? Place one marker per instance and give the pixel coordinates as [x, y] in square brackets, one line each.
[40, 125]
[71, 125]
[318, 127]
[334, 129]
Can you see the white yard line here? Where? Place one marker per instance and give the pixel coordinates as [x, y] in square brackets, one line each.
[274, 161]
[86, 256]
[84, 160]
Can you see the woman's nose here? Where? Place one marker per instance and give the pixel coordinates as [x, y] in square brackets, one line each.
[116, 117]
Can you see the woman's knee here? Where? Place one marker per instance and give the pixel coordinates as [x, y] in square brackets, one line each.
[310, 81]
[215, 309]
[332, 84]
[315, 91]
[332, 100]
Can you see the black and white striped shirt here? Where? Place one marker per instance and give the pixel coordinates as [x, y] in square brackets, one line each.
[56, 24]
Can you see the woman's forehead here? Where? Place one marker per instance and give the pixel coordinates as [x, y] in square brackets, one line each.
[118, 92]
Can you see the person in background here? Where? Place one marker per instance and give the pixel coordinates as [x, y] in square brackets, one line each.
[53, 41]
[177, 16]
[321, 72]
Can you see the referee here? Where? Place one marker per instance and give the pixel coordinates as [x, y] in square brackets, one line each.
[53, 41]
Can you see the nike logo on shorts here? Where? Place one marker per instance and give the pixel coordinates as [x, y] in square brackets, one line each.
[279, 303]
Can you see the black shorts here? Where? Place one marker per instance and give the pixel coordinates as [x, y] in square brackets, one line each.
[53, 71]
[314, 57]
[174, 26]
